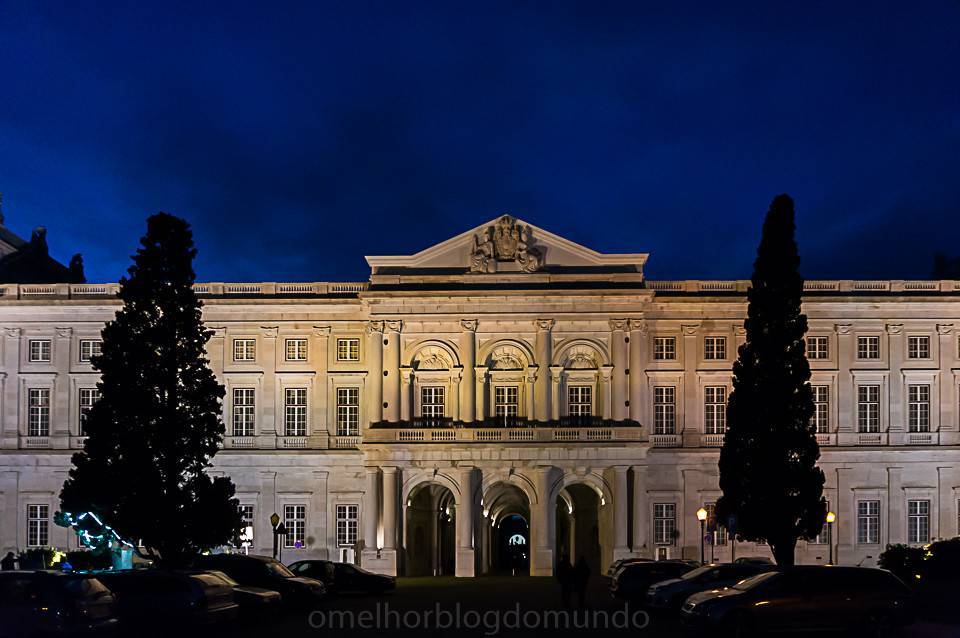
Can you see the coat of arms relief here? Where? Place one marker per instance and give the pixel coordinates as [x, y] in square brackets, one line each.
[504, 241]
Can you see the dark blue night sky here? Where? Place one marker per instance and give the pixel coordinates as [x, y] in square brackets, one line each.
[297, 138]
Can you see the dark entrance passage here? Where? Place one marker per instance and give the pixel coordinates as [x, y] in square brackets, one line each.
[430, 532]
[512, 546]
[578, 526]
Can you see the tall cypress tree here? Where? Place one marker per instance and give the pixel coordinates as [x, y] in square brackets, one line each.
[768, 464]
[157, 425]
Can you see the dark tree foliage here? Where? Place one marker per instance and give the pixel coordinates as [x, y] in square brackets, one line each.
[157, 425]
[768, 464]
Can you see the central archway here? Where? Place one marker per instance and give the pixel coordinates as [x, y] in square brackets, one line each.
[580, 517]
[430, 529]
[506, 538]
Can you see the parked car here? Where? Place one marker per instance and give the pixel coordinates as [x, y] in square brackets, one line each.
[53, 603]
[344, 577]
[251, 599]
[186, 598]
[632, 580]
[268, 573]
[671, 594]
[616, 565]
[763, 560]
[804, 598]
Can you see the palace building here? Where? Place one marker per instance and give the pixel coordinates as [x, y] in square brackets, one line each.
[505, 398]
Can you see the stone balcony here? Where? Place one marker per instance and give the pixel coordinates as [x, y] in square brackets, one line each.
[506, 430]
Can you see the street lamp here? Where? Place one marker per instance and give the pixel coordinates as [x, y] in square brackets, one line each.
[702, 517]
[831, 517]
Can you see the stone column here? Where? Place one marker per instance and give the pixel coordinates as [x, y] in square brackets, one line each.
[375, 363]
[531, 379]
[371, 519]
[896, 508]
[456, 375]
[11, 404]
[480, 377]
[948, 399]
[621, 507]
[846, 393]
[606, 372]
[556, 376]
[543, 351]
[618, 357]
[896, 401]
[271, 425]
[641, 512]
[468, 352]
[391, 499]
[319, 426]
[466, 556]
[406, 378]
[638, 355]
[690, 428]
[391, 370]
[542, 525]
[60, 396]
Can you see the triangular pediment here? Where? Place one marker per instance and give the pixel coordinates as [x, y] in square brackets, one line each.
[506, 245]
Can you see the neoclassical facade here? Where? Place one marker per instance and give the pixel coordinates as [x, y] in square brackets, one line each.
[504, 398]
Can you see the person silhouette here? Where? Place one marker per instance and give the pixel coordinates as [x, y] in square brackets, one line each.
[565, 577]
[581, 576]
[9, 562]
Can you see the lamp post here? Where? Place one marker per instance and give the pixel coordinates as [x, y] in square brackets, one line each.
[702, 517]
[831, 517]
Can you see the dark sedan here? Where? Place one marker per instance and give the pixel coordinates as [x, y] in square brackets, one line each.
[52, 603]
[268, 573]
[631, 580]
[671, 594]
[344, 577]
[806, 598]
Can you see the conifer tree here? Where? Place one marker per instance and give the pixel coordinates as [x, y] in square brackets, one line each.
[768, 464]
[157, 425]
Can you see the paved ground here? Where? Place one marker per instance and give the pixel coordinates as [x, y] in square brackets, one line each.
[487, 606]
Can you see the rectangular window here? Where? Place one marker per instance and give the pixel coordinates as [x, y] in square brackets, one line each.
[714, 348]
[347, 519]
[39, 350]
[38, 418]
[296, 349]
[295, 411]
[715, 409]
[295, 520]
[821, 408]
[868, 408]
[505, 401]
[88, 396]
[247, 513]
[580, 400]
[868, 347]
[918, 347]
[38, 525]
[348, 349]
[244, 349]
[918, 521]
[918, 408]
[244, 410]
[868, 522]
[664, 348]
[664, 410]
[664, 523]
[432, 405]
[89, 348]
[348, 411]
[818, 348]
[718, 531]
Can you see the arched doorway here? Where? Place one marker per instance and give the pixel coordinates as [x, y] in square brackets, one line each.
[430, 532]
[580, 517]
[506, 538]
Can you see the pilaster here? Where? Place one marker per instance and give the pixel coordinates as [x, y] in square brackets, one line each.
[468, 353]
[638, 355]
[618, 357]
[391, 370]
[543, 350]
[375, 362]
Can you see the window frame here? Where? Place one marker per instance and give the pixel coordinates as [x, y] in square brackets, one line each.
[664, 525]
[43, 352]
[664, 412]
[505, 406]
[38, 524]
[868, 409]
[715, 348]
[868, 348]
[579, 400]
[86, 399]
[868, 522]
[93, 347]
[347, 410]
[918, 407]
[433, 402]
[39, 412]
[714, 409]
[296, 353]
[295, 522]
[664, 348]
[918, 347]
[347, 516]
[244, 412]
[821, 408]
[295, 411]
[918, 522]
[244, 350]
[818, 353]
[348, 349]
